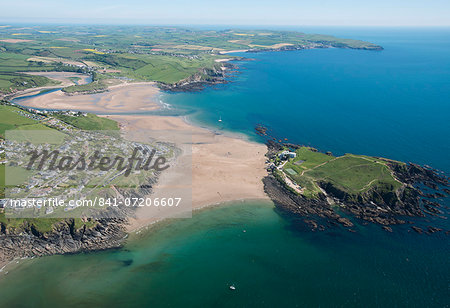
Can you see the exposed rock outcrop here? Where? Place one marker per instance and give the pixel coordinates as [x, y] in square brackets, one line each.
[63, 239]
[383, 204]
[198, 81]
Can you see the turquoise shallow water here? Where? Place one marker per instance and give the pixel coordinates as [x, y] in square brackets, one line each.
[393, 103]
[192, 262]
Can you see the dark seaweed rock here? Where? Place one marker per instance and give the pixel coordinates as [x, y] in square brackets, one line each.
[433, 229]
[417, 229]
[386, 228]
[127, 262]
[383, 204]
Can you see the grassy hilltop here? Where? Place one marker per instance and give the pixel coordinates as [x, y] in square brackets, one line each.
[14, 118]
[163, 54]
[328, 190]
[353, 174]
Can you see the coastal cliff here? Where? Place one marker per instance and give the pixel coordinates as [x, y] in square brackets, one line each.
[320, 188]
[198, 81]
[62, 239]
[217, 74]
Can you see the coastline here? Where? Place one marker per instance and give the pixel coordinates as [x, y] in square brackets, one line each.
[64, 79]
[120, 98]
[186, 120]
[267, 254]
[224, 168]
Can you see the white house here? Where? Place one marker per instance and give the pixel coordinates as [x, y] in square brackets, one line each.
[287, 154]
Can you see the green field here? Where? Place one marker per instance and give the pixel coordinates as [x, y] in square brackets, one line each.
[162, 68]
[92, 87]
[15, 81]
[162, 54]
[12, 118]
[88, 122]
[308, 158]
[17, 62]
[11, 64]
[354, 174]
[2, 180]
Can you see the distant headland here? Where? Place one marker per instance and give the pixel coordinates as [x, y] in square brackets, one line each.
[177, 59]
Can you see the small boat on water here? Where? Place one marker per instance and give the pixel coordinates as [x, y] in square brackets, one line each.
[220, 119]
[232, 287]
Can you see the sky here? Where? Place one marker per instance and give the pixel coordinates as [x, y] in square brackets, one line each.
[231, 12]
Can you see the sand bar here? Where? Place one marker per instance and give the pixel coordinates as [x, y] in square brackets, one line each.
[121, 98]
[64, 79]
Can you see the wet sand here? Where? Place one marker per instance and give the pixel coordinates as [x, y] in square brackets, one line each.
[212, 169]
[64, 79]
[222, 168]
[121, 98]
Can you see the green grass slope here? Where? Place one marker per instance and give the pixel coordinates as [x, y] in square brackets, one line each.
[12, 118]
[88, 122]
[163, 54]
[353, 174]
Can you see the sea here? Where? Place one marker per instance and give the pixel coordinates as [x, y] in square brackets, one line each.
[393, 103]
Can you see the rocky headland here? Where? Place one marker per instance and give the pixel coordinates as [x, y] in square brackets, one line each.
[382, 204]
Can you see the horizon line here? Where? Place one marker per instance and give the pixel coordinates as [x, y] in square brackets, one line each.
[216, 24]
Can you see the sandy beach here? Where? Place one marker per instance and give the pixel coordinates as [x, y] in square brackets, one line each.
[120, 98]
[64, 79]
[223, 168]
[233, 51]
[213, 168]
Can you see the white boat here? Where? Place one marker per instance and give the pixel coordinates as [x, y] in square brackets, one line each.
[232, 287]
[220, 119]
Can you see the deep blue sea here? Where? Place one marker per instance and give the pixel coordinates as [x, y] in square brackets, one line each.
[393, 103]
